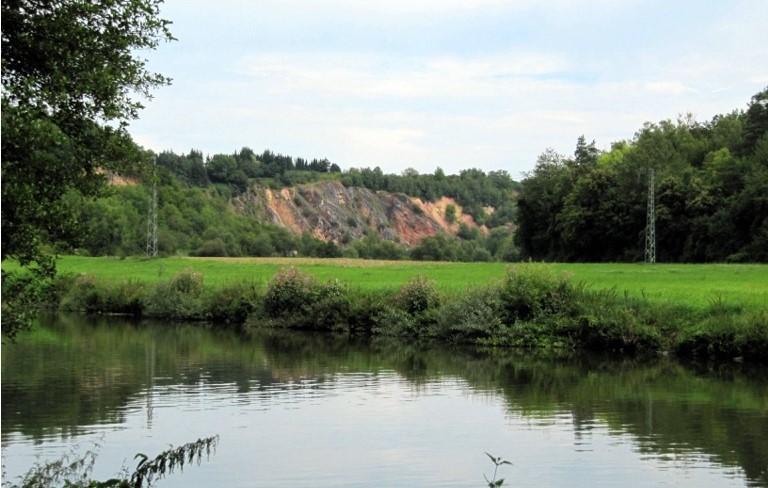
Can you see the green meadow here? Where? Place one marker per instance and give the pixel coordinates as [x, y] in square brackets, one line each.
[697, 286]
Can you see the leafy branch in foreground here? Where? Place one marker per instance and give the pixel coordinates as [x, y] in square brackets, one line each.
[77, 473]
[497, 461]
[165, 462]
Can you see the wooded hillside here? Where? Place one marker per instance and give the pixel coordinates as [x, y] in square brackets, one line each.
[711, 185]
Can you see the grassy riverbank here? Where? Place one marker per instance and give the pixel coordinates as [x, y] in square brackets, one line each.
[697, 286]
[691, 310]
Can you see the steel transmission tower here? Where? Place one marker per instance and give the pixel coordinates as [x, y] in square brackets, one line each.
[650, 225]
[152, 218]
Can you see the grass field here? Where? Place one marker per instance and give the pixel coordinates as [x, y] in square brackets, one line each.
[696, 285]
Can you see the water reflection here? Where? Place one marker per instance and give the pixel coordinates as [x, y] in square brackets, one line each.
[72, 376]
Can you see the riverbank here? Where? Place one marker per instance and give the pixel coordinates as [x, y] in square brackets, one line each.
[696, 286]
[524, 306]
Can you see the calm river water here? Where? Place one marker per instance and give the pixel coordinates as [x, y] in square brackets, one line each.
[315, 410]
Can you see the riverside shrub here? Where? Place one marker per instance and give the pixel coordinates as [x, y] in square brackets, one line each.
[231, 304]
[297, 300]
[415, 312]
[472, 316]
[178, 298]
[418, 296]
[84, 293]
[528, 291]
[727, 336]
[331, 308]
[289, 292]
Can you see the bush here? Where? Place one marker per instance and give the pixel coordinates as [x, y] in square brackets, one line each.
[231, 304]
[415, 312]
[394, 322]
[290, 291]
[187, 282]
[297, 300]
[127, 297]
[365, 312]
[530, 291]
[417, 296]
[77, 292]
[83, 293]
[178, 298]
[331, 309]
[613, 328]
[450, 213]
[472, 316]
[727, 336]
[211, 248]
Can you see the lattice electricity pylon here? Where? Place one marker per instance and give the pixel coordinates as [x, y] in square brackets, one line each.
[650, 224]
[152, 217]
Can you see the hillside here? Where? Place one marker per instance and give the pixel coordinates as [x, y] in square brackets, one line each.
[324, 217]
[331, 212]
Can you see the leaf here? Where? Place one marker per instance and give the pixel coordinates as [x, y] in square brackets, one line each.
[143, 457]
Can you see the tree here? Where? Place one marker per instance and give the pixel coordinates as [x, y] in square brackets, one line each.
[450, 213]
[70, 76]
[756, 123]
[585, 154]
[541, 199]
[224, 169]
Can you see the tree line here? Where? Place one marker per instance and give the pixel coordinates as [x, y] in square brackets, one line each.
[475, 190]
[242, 167]
[711, 189]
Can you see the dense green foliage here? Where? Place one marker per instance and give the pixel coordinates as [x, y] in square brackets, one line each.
[70, 75]
[191, 220]
[711, 194]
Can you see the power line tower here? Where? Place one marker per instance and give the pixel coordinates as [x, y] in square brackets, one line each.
[152, 218]
[650, 224]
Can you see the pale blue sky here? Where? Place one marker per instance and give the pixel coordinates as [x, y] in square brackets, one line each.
[456, 84]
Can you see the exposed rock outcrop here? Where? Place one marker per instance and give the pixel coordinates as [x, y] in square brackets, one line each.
[332, 212]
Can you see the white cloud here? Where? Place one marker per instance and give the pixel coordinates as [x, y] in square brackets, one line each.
[668, 87]
[354, 75]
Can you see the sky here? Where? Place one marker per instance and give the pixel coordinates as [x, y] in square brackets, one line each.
[422, 84]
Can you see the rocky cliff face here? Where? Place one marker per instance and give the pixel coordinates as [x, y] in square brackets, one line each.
[332, 212]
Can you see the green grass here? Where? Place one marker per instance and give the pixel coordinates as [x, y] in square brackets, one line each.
[697, 286]
[358, 274]
[694, 285]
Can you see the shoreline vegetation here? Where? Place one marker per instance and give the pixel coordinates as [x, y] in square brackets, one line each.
[695, 311]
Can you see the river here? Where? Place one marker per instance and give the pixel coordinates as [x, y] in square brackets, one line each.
[292, 409]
